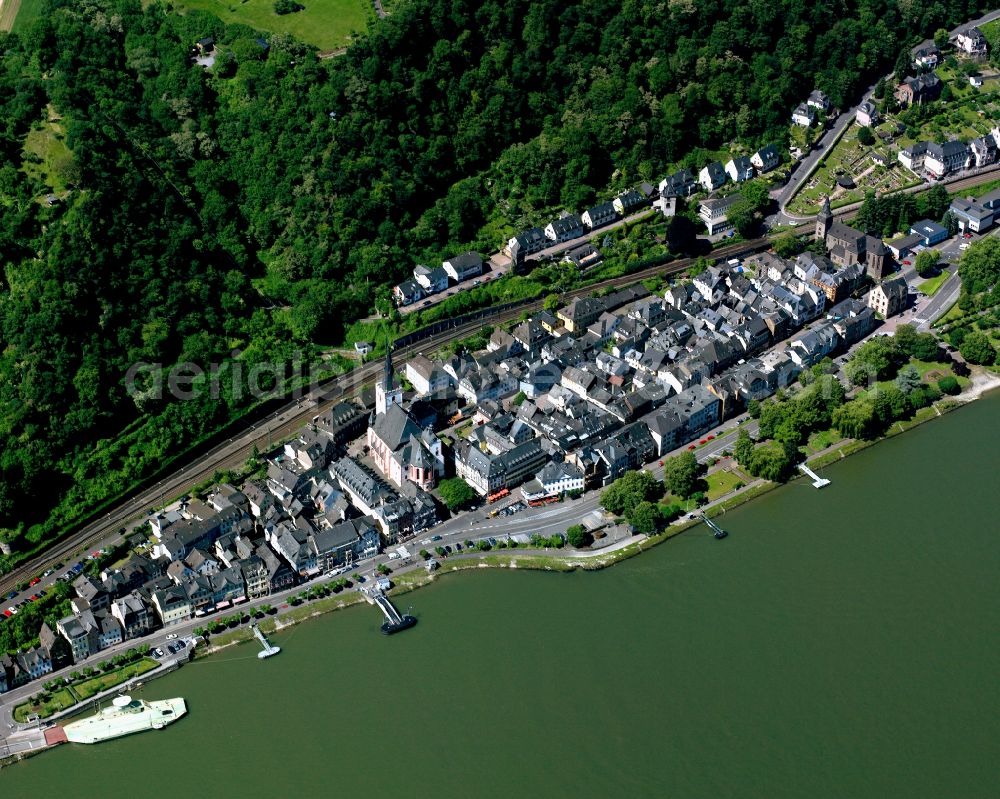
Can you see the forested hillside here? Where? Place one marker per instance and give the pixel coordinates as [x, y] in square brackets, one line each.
[261, 204]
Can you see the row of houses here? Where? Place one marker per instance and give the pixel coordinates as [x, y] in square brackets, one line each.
[608, 386]
[427, 281]
[568, 226]
[298, 522]
[936, 160]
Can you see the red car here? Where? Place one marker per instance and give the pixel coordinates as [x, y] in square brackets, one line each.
[709, 438]
[35, 581]
[691, 446]
[906, 262]
[34, 597]
[7, 613]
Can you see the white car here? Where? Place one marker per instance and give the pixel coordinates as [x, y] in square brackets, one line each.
[963, 246]
[172, 636]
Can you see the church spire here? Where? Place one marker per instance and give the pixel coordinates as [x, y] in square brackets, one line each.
[824, 219]
[389, 378]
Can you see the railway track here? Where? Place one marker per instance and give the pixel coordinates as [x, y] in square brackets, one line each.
[291, 417]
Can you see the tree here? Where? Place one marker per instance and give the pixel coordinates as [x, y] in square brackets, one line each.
[771, 461]
[908, 380]
[941, 38]
[645, 518]
[456, 493]
[753, 408]
[977, 348]
[551, 302]
[787, 245]
[629, 490]
[681, 474]
[866, 137]
[903, 64]
[926, 263]
[743, 449]
[876, 359]
[979, 268]
[880, 89]
[518, 398]
[578, 536]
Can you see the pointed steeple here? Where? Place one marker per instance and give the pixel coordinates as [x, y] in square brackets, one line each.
[388, 378]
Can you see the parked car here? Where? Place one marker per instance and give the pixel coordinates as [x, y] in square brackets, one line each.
[435, 538]
[158, 652]
[35, 581]
[172, 636]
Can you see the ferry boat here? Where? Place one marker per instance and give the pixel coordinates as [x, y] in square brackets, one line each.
[125, 716]
[405, 623]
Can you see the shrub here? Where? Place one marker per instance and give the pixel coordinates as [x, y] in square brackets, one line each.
[949, 385]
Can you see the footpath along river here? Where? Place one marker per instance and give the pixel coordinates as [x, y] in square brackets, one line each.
[843, 642]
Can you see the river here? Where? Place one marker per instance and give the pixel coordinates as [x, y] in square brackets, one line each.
[839, 643]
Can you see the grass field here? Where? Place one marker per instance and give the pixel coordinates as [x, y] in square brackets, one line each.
[8, 13]
[327, 24]
[52, 158]
[932, 284]
[721, 483]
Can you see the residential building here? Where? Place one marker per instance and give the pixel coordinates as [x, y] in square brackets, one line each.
[930, 232]
[739, 168]
[926, 57]
[766, 158]
[488, 473]
[818, 100]
[905, 245]
[971, 41]
[680, 184]
[912, 157]
[172, 605]
[408, 292]
[566, 227]
[803, 115]
[133, 615]
[431, 280]
[600, 215]
[943, 159]
[919, 90]
[712, 176]
[462, 267]
[581, 313]
[714, 212]
[425, 376]
[554, 480]
[867, 114]
[983, 151]
[889, 297]
[628, 202]
[519, 247]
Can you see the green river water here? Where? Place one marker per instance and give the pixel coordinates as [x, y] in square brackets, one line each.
[840, 643]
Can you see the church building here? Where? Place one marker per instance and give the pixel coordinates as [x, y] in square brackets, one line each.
[848, 246]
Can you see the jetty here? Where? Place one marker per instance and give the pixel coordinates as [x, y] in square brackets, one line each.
[394, 620]
[818, 482]
[718, 531]
[268, 649]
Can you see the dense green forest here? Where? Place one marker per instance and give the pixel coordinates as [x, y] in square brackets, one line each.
[262, 204]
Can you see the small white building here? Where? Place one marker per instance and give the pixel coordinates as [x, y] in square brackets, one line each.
[803, 115]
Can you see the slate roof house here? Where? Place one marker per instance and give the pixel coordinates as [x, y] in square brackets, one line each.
[919, 90]
[566, 227]
[599, 215]
[628, 202]
[522, 245]
[739, 168]
[942, 159]
[889, 297]
[461, 267]
[766, 158]
[712, 176]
